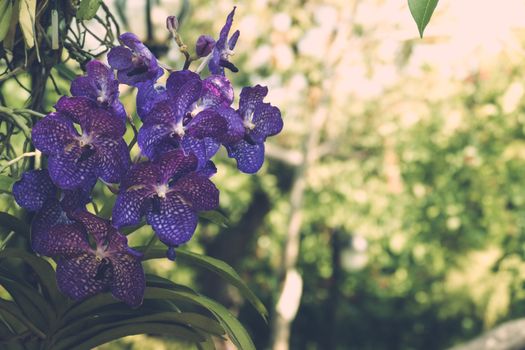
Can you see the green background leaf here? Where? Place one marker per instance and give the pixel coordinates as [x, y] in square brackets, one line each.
[422, 10]
[88, 9]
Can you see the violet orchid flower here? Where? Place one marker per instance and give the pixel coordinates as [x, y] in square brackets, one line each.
[101, 86]
[75, 159]
[260, 120]
[35, 188]
[93, 257]
[223, 48]
[36, 192]
[194, 116]
[134, 62]
[169, 192]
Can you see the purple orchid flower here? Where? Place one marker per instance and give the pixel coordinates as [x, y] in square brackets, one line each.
[36, 192]
[134, 62]
[260, 121]
[223, 48]
[93, 257]
[204, 45]
[74, 160]
[194, 116]
[35, 188]
[101, 86]
[169, 192]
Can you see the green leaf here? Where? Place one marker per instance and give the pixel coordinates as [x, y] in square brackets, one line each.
[6, 182]
[6, 10]
[101, 323]
[216, 217]
[32, 304]
[65, 72]
[87, 9]
[27, 21]
[43, 270]
[218, 267]
[14, 311]
[13, 223]
[108, 335]
[422, 10]
[233, 327]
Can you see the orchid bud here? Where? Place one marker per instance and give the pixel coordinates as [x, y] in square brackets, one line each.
[204, 45]
[172, 23]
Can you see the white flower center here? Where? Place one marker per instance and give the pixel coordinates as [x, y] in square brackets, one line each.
[179, 129]
[162, 190]
[84, 140]
[248, 121]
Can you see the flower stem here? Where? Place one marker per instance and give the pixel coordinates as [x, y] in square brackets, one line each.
[13, 161]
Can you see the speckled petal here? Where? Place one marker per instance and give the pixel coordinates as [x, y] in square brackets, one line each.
[249, 157]
[77, 199]
[208, 170]
[174, 164]
[163, 112]
[53, 133]
[93, 119]
[69, 171]
[48, 216]
[131, 206]
[147, 96]
[196, 147]
[140, 174]
[250, 97]
[207, 123]
[198, 191]
[234, 125]
[268, 122]
[99, 84]
[77, 277]
[113, 159]
[93, 225]
[156, 139]
[175, 223]
[66, 240]
[128, 282]
[177, 80]
[119, 57]
[211, 146]
[33, 189]
[217, 91]
[187, 95]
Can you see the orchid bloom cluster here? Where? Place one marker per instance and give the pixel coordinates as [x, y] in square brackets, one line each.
[184, 123]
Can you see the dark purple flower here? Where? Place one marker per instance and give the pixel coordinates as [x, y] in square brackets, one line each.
[101, 86]
[134, 62]
[75, 159]
[35, 188]
[223, 48]
[93, 257]
[260, 120]
[204, 45]
[148, 95]
[189, 118]
[169, 192]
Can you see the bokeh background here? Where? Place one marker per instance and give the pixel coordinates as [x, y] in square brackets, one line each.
[390, 213]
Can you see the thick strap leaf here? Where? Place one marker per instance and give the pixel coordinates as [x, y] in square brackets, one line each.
[233, 327]
[43, 270]
[179, 332]
[13, 223]
[216, 266]
[12, 309]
